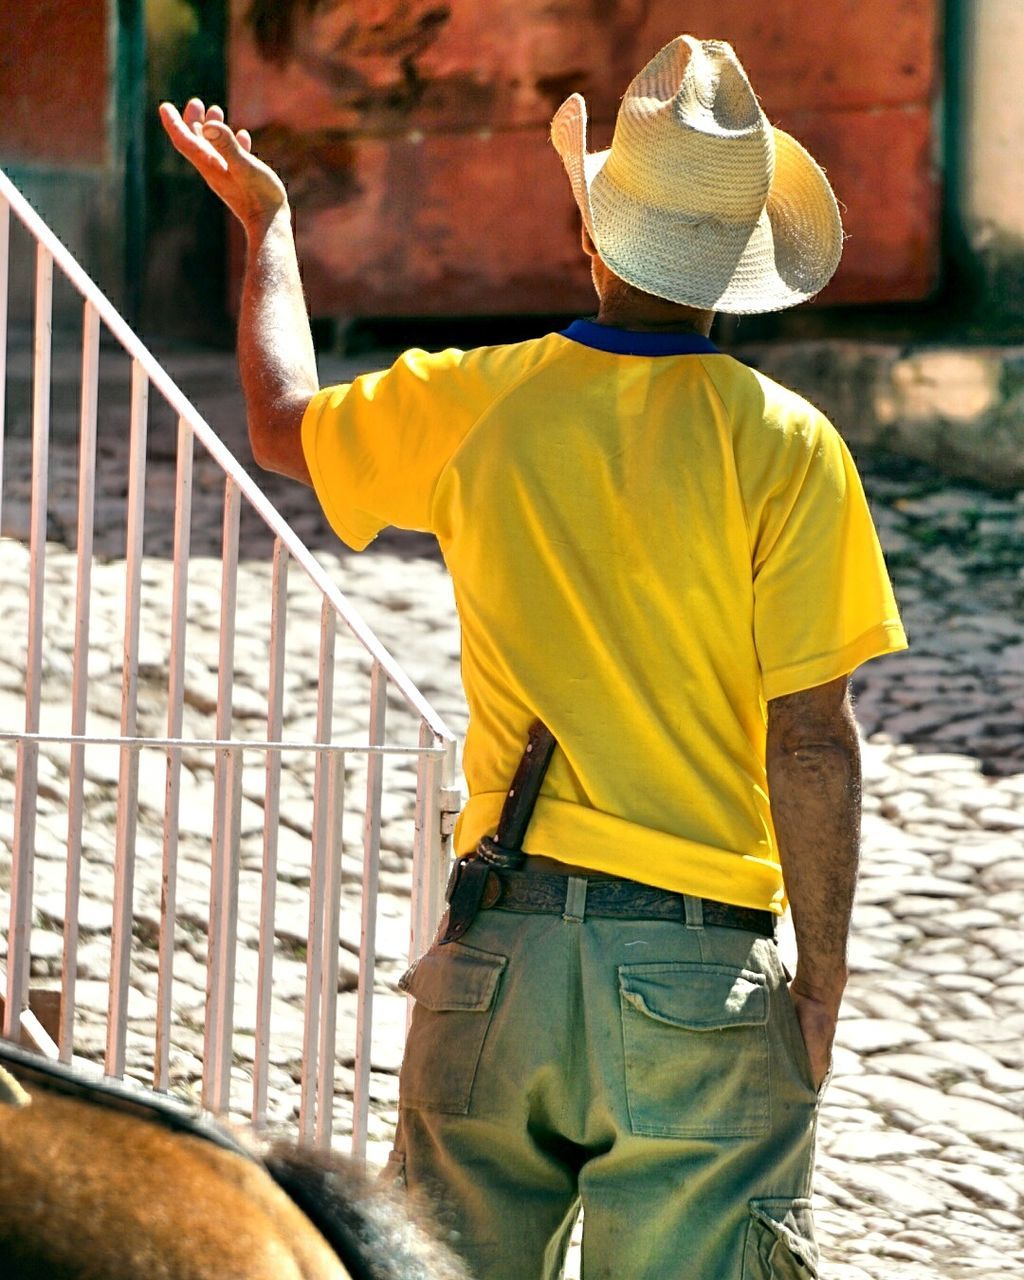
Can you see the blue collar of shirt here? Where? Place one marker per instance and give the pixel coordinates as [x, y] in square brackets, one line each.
[631, 342]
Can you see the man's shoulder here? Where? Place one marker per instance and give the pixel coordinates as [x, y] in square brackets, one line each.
[746, 389]
[498, 362]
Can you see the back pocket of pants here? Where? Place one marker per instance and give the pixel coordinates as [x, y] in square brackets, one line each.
[780, 1241]
[696, 1050]
[454, 988]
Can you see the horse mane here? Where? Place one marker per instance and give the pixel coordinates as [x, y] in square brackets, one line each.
[366, 1224]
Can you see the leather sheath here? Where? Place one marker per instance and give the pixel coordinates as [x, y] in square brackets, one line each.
[473, 884]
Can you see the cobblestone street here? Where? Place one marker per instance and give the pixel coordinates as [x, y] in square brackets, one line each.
[921, 1170]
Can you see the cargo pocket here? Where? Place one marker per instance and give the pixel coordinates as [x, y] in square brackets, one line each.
[695, 1040]
[780, 1241]
[454, 990]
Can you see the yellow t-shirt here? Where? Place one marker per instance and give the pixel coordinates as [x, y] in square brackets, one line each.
[646, 543]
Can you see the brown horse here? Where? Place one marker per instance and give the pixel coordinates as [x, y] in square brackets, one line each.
[99, 1181]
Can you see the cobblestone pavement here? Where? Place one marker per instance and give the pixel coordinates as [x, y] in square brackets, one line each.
[921, 1170]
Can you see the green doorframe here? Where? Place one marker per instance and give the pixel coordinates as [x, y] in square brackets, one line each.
[157, 194]
[179, 251]
[958, 280]
[128, 142]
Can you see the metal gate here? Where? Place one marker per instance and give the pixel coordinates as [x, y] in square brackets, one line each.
[122, 820]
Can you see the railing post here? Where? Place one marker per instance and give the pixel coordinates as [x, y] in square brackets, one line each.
[271, 811]
[19, 938]
[80, 667]
[220, 967]
[128, 777]
[368, 932]
[318, 878]
[175, 715]
[443, 831]
[329, 946]
[428, 797]
[223, 938]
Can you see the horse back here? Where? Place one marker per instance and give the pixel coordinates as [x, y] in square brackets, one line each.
[88, 1192]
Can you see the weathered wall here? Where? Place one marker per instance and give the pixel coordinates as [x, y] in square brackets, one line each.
[62, 138]
[53, 82]
[960, 408]
[414, 134]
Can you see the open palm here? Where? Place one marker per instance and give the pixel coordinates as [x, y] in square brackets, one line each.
[251, 189]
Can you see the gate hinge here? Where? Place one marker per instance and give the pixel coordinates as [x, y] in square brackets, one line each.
[451, 803]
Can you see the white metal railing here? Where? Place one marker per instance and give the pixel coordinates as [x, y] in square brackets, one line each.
[432, 751]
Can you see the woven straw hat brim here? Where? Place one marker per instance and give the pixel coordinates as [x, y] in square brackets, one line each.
[783, 258]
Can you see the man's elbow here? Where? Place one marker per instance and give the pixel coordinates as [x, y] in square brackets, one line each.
[275, 438]
[810, 728]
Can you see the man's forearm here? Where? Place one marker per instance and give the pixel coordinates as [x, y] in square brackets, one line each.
[815, 799]
[275, 345]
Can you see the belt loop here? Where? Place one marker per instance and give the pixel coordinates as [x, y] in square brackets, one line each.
[694, 908]
[575, 900]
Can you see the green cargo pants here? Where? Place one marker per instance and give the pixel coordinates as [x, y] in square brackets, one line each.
[653, 1071]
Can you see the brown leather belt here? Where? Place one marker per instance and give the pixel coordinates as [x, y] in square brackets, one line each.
[609, 898]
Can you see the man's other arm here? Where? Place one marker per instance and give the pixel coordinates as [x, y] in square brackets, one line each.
[813, 760]
[275, 346]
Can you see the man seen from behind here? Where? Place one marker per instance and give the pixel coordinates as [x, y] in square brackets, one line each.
[665, 572]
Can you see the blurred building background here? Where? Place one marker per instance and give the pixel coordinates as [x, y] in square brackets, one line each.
[413, 137]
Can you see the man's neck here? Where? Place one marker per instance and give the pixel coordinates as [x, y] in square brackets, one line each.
[652, 315]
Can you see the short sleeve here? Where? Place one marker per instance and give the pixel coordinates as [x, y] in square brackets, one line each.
[823, 603]
[376, 447]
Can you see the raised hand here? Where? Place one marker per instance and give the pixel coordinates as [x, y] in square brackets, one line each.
[251, 189]
[275, 346]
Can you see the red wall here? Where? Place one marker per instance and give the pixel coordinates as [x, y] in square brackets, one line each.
[54, 84]
[414, 135]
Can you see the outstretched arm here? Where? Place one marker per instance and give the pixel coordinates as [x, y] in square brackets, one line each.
[813, 759]
[275, 346]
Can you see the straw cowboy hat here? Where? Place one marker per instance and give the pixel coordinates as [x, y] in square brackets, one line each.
[699, 200]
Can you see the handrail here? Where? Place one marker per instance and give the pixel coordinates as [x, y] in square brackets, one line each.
[178, 401]
[139, 809]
